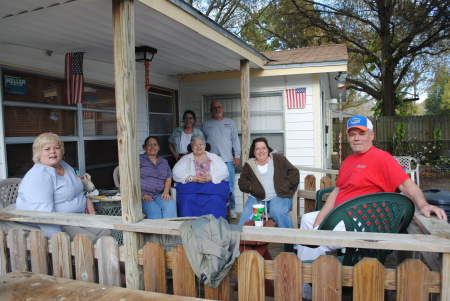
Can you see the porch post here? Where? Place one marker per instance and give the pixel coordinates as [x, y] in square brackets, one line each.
[245, 111]
[445, 277]
[127, 138]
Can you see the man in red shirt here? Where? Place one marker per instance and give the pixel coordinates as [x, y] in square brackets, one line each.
[367, 170]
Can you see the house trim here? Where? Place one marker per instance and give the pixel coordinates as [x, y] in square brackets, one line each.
[317, 113]
[188, 16]
[260, 73]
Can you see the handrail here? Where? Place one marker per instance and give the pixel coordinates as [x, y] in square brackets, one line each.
[314, 169]
[415, 242]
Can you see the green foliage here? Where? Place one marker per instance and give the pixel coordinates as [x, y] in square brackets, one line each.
[276, 26]
[438, 101]
[378, 108]
[399, 145]
[426, 153]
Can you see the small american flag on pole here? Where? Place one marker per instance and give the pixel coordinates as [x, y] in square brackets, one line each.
[74, 79]
[296, 98]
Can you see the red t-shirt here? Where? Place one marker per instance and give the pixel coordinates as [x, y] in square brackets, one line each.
[371, 172]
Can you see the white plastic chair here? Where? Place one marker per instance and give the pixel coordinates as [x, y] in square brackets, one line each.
[8, 191]
[412, 167]
[116, 177]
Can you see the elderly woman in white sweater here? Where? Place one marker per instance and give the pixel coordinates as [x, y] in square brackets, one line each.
[200, 174]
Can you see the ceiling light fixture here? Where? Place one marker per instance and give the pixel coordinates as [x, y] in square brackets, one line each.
[141, 56]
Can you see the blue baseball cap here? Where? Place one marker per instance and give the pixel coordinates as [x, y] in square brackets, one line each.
[359, 122]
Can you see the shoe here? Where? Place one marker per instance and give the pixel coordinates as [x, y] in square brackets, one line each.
[306, 291]
[233, 214]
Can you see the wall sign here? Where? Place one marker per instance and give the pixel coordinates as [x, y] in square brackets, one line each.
[15, 85]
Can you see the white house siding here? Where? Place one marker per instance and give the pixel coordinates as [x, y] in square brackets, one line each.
[299, 123]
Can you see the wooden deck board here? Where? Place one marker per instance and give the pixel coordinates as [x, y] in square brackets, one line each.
[37, 287]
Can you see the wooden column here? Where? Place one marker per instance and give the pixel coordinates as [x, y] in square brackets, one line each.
[445, 277]
[245, 109]
[127, 137]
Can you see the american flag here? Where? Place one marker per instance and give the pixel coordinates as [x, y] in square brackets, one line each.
[74, 79]
[296, 98]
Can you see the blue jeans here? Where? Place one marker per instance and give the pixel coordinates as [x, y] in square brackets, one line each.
[159, 208]
[231, 174]
[278, 207]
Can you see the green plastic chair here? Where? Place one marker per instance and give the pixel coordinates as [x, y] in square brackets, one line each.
[319, 196]
[384, 212]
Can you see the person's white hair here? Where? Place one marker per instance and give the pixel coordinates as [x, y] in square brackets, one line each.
[196, 137]
[41, 141]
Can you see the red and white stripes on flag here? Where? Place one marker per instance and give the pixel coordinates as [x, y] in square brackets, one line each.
[88, 114]
[296, 98]
[74, 79]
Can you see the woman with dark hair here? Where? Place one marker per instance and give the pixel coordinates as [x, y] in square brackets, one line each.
[156, 180]
[181, 136]
[269, 179]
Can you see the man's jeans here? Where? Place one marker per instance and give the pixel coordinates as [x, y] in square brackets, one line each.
[231, 174]
[278, 207]
[159, 208]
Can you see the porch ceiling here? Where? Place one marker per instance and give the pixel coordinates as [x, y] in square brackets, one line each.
[63, 26]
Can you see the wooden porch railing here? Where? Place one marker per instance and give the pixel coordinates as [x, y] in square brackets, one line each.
[411, 280]
[369, 278]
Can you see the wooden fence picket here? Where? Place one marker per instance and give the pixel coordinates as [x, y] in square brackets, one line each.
[327, 279]
[251, 276]
[183, 276]
[412, 280]
[17, 249]
[84, 258]
[154, 268]
[39, 255]
[61, 255]
[108, 261]
[368, 280]
[310, 185]
[3, 257]
[222, 292]
[288, 277]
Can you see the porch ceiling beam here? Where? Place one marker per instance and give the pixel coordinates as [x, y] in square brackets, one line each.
[193, 22]
[260, 73]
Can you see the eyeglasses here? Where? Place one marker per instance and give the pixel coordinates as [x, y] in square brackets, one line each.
[152, 144]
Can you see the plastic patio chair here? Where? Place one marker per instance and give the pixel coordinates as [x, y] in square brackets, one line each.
[8, 191]
[384, 212]
[116, 177]
[411, 166]
[319, 196]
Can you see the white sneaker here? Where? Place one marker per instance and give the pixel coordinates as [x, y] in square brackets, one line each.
[233, 214]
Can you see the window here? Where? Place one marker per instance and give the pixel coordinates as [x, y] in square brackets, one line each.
[34, 104]
[161, 116]
[266, 115]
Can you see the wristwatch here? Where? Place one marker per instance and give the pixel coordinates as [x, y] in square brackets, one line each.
[190, 179]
